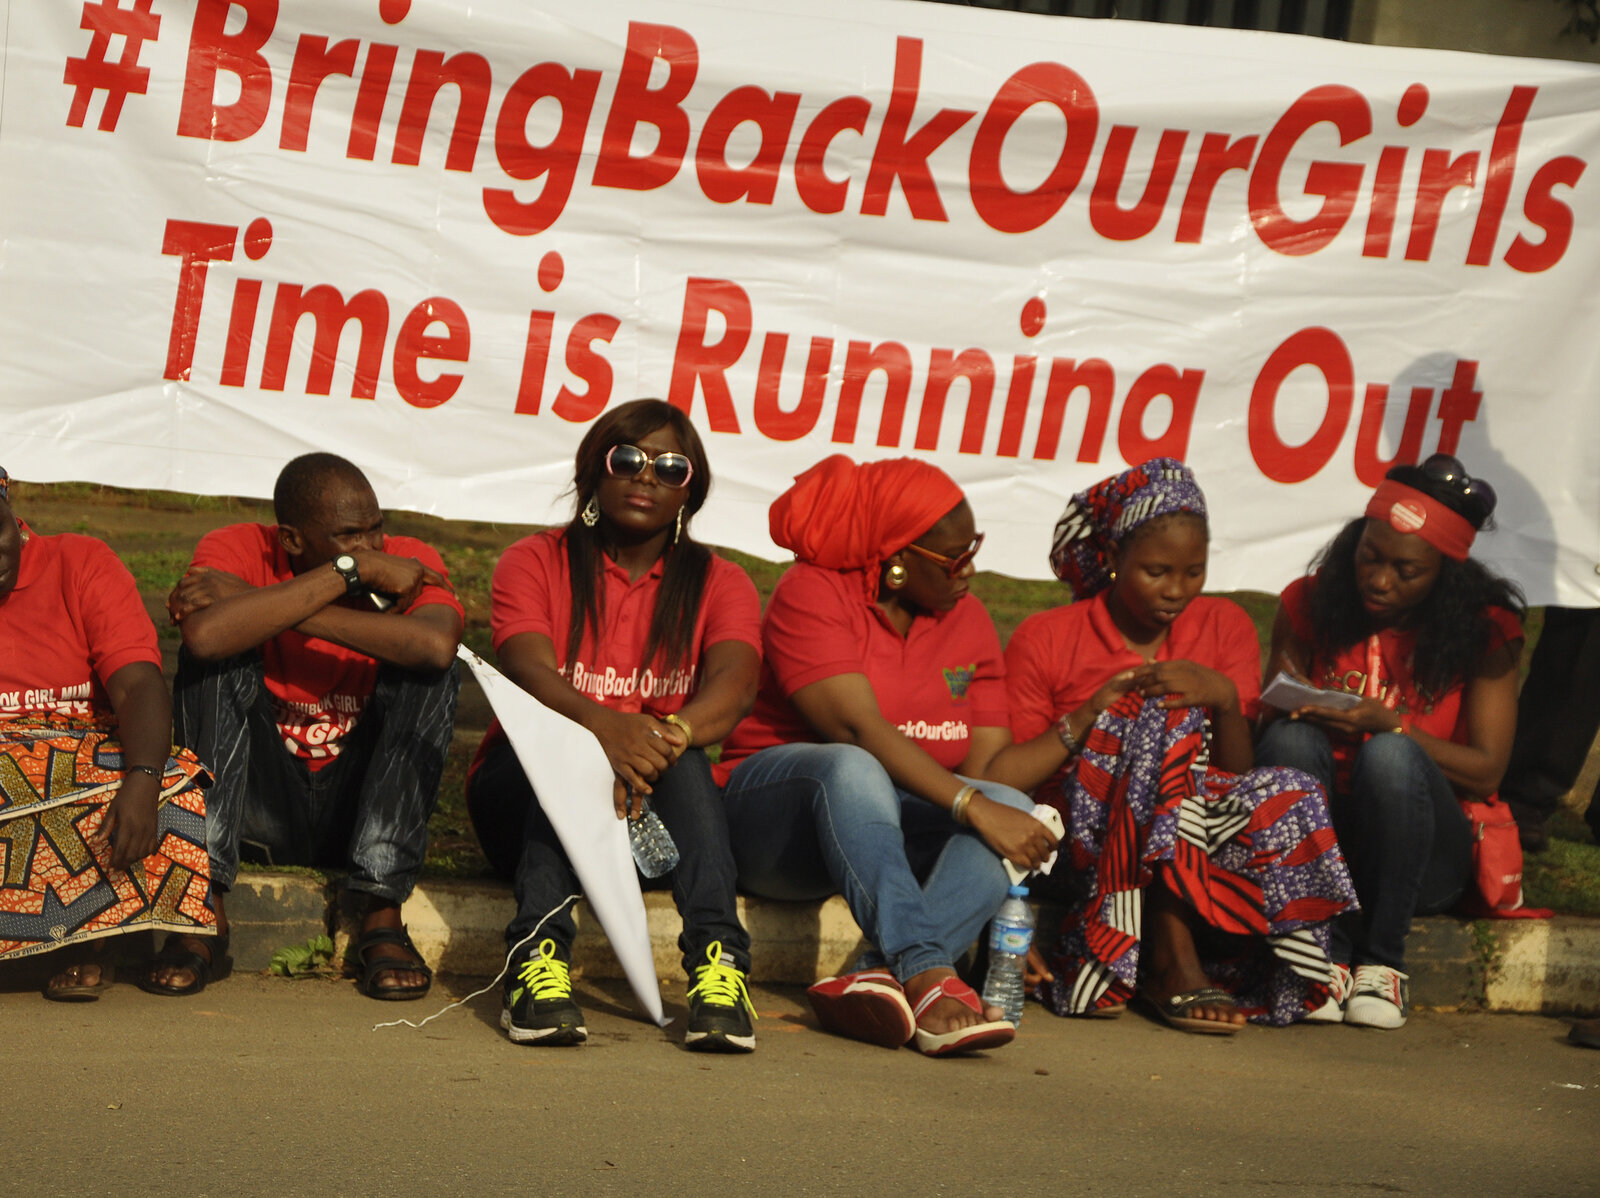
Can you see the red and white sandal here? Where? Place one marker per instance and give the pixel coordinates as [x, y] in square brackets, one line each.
[869, 1005]
[962, 1039]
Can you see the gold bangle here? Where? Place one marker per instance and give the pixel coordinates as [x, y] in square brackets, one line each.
[958, 807]
[678, 721]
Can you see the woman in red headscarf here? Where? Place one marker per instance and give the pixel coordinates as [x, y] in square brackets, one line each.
[882, 693]
[1397, 613]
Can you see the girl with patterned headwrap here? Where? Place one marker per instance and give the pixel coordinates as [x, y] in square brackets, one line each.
[102, 823]
[1201, 885]
[1397, 612]
[881, 699]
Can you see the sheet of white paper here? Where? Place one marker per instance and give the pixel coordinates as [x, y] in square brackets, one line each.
[1288, 694]
[563, 758]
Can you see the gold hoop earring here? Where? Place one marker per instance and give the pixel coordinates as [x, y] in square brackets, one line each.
[895, 577]
[591, 512]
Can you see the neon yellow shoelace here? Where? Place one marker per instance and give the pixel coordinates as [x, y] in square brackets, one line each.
[545, 975]
[720, 983]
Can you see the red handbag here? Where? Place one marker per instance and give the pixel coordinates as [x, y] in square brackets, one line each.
[1496, 891]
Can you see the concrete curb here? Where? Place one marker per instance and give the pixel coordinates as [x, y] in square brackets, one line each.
[1502, 965]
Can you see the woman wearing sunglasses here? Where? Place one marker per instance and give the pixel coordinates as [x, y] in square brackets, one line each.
[882, 697]
[623, 623]
[1396, 612]
[1196, 883]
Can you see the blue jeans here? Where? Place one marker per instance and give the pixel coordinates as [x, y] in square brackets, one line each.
[812, 820]
[1404, 837]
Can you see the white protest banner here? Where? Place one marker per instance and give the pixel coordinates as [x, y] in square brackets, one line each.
[440, 237]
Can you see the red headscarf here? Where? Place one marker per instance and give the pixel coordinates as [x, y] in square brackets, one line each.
[844, 516]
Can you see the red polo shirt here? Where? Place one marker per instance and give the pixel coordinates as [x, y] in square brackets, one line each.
[532, 592]
[74, 619]
[1346, 670]
[1057, 659]
[319, 688]
[938, 682]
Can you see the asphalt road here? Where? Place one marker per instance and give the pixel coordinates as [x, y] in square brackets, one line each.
[269, 1087]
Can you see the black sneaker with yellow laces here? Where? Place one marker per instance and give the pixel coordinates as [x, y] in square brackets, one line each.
[720, 1012]
[538, 1001]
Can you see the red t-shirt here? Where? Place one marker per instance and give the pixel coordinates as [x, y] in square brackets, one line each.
[532, 592]
[73, 620]
[938, 682]
[319, 688]
[1057, 659]
[1346, 670]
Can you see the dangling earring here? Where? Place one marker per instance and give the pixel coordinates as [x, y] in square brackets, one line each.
[677, 532]
[591, 512]
[895, 577]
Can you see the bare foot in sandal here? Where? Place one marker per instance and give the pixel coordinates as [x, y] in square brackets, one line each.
[946, 1014]
[1171, 964]
[167, 974]
[383, 939]
[85, 980]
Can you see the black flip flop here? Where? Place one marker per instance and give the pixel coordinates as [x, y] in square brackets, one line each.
[372, 967]
[80, 991]
[174, 956]
[1175, 1010]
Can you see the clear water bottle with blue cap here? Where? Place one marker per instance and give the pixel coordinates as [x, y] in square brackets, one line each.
[1010, 936]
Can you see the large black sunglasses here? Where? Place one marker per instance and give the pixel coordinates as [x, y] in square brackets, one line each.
[1442, 468]
[628, 461]
[951, 565]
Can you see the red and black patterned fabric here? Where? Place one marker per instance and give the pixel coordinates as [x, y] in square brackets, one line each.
[1253, 854]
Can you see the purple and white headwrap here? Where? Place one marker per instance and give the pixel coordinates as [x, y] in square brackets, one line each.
[1097, 520]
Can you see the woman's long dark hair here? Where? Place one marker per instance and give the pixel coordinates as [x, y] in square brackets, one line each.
[683, 579]
[1452, 622]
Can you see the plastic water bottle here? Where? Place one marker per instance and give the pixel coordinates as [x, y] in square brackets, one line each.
[653, 850]
[1009, 937]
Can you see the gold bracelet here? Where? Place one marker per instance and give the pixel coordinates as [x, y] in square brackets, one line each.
[958, 808]
[678, 721]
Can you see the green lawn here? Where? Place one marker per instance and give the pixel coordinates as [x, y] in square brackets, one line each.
[155, 531]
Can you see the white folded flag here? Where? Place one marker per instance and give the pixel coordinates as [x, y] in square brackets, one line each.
[572, 777]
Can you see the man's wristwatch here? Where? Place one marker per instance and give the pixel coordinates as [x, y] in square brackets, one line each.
[345, 566]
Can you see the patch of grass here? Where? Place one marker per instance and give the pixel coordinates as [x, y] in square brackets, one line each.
[156, 570]
[1487, 945]
[1567, 876]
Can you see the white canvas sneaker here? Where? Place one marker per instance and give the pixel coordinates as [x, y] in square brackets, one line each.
[1379, 998]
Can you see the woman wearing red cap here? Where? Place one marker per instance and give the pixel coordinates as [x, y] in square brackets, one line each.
[882, 694]
[1396, 612]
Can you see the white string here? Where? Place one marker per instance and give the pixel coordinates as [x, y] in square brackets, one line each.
[550, 914]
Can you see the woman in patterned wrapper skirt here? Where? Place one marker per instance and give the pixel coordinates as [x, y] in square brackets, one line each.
[1197, 883]
[102, 824]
